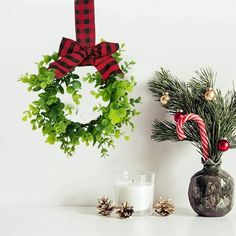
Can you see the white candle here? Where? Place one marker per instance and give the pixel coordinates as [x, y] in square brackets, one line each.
[136, 189]
[138, 196]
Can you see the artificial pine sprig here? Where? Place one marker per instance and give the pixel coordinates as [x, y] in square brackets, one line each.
[219, 114]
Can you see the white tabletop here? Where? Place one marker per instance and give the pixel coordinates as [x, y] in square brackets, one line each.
[83, 221]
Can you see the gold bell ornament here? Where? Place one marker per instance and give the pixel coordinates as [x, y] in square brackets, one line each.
[164, 99]
[210, 94]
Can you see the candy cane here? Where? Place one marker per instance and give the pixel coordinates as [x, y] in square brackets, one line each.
[202, 131]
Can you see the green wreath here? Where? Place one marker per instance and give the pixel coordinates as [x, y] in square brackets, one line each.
[50, 114]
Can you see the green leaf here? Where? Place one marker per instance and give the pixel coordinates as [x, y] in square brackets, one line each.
[105, 122]
[104, 151]
[43, 70]
[98, 137]
[61, 89]
[106, 96]
[76, 98]
[51, 139]
[93, 93]
[55, 56]
[60, 127]
[36, 89]
[124, 69]
[117, 134]
[47, 59]
[43, 85]
[114, 116]
[122, 112]
[76, 84]
[138, 100]
[114, 105]
[75, 76]
[70, 89]
[24, 118]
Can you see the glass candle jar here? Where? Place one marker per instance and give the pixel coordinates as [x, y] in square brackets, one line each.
[136, 188]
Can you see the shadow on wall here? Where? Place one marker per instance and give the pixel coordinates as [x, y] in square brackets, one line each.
[140, 153]
[162, 158]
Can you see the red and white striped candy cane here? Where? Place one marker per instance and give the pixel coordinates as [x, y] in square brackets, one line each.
[202, 131]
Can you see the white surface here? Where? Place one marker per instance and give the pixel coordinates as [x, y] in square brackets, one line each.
[71, 221]
[181, 35]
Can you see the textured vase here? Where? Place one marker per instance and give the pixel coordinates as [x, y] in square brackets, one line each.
[211, 191]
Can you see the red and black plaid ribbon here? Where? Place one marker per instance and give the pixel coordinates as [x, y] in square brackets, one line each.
[83, 51]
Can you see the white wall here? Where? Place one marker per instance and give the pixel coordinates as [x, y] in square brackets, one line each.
[181, 35]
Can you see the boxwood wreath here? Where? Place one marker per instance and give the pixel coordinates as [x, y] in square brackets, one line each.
[50, 114]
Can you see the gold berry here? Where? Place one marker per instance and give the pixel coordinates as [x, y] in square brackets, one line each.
[164, 99]
[210, 94]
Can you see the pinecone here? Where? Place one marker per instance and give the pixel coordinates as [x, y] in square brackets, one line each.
[164, 207]
[125, 211]
[104, 206]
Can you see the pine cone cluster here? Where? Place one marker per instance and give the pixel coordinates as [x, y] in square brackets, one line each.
[125, 211]
[164, 207]
[104, 206]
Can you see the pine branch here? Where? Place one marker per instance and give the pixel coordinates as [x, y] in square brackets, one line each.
[166, 130]
[163, 82]
[163, 131]
[219, 115]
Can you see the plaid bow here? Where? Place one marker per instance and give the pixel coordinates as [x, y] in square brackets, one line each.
[72, 55]
[84, 52]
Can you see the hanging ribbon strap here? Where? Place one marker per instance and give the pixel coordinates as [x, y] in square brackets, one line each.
[202, 132]
[83, 51]
[85, 22]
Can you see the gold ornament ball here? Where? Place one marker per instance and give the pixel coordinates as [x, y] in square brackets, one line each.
[164, 99]
[210, 94]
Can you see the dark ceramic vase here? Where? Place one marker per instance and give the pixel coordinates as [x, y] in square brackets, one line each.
[211, 191]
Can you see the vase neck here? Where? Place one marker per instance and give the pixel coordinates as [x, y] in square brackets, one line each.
[211, 165]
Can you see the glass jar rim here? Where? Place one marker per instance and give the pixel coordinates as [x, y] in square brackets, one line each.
[134, 173]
